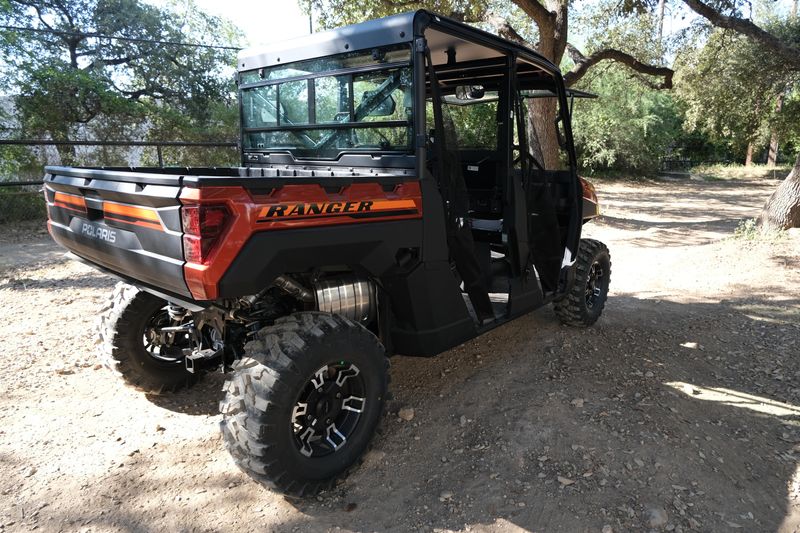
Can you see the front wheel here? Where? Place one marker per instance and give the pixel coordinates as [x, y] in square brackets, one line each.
[585, 301]
[304, 401]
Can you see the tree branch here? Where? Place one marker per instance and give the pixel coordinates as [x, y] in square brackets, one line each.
[108, 62]
[537, 11]
[584, 63]
[504, 29]
[745, 27]
[36, 8]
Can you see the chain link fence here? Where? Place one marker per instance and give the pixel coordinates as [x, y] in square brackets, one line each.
[21, 202]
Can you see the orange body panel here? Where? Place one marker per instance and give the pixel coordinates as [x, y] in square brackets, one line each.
[290, 207]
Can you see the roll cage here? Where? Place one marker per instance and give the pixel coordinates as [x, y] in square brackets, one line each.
[479, 205]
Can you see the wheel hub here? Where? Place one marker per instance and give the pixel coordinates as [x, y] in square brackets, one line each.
[325, 405]
[164, 347]
[328, 409]
[594, 284]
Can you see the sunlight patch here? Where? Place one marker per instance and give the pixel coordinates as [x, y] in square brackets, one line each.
[736, 399]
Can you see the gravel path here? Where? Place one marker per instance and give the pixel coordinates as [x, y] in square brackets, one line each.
[678, 411]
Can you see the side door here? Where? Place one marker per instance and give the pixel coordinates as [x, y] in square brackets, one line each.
[546, 172]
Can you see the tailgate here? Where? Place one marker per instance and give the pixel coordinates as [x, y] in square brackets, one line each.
[124, 221]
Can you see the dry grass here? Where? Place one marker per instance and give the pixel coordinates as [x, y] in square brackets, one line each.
[738, 172]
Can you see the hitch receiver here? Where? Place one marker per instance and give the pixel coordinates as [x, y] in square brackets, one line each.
[208, 353]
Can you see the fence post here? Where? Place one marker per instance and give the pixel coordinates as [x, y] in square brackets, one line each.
[160, 156]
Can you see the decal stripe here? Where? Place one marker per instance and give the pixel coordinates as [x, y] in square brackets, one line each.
[141, 223]
[393, 204]
[363, 214]
[69, 201]
[131, 211]
[328, 209]
[70, 207]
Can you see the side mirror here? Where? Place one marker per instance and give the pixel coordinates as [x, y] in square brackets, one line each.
[470, 92]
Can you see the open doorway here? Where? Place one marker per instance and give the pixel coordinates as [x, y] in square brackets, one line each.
[509, 217]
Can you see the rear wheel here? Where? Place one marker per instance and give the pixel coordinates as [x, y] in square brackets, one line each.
[584, 303]
[304, 402]
[132, 345]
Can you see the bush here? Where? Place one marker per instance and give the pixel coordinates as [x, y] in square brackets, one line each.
[17, 204]
[749, 230]
[629, 127]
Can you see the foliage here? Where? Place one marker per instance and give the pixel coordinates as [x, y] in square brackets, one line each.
[334, 13]
[73, 81]
[631, 126]
[18, 204]
[749, 230]
[475, 125]
[170, 123]
[604, 24]
[787, 122]
[17, 163]
[730, 87]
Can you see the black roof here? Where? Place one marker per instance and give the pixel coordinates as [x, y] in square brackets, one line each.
[385, 31]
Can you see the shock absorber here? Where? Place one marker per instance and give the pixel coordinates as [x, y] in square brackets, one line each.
[176, 313]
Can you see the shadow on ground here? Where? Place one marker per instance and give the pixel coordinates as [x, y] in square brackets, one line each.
[532, 426]
[202, 399]
[704, 211]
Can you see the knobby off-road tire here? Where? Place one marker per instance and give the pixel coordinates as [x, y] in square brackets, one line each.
[121, 326]
[281, 369]
[585, 301]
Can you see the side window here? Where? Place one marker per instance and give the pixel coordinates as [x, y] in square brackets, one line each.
[260, 107]
[385, 98]
[394, 105]
[294, 100]
[533, 146]
[332, 99]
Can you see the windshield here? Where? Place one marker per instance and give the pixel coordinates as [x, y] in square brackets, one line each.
[320, 108]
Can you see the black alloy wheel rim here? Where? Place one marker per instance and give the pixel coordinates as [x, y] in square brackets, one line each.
[328, 409]
[171, 351]
[594, 284]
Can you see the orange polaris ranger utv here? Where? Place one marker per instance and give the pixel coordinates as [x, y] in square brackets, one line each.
[391, 199]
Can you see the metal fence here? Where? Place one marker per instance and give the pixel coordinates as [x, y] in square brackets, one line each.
[21, 202]
[23, 199]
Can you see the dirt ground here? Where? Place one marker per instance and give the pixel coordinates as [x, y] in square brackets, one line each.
[678, 411]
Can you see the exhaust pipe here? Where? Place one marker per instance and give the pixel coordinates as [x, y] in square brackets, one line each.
[348, 296]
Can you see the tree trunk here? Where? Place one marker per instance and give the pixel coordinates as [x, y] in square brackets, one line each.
[552, 44]
[66, 153]
[748, 159]
[660, 15]
[782, 210]
[772, 156]
[545, 110]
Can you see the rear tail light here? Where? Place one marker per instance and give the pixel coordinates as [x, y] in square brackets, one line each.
[203, 225]
[589, 192]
